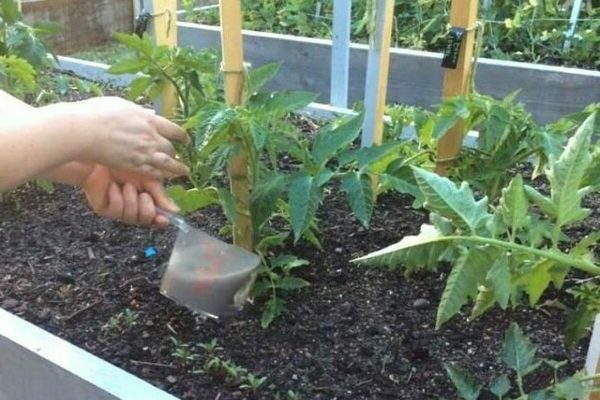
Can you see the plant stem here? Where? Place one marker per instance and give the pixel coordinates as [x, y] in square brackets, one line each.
[555, 255]
[520, 384]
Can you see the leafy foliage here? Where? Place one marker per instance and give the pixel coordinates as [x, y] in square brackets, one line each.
[22, 50]
[519, 355]
[497, 252]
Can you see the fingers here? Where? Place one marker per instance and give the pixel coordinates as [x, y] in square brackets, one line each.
[169, 130]
[130, 204]
[114, 208]
[170, 167]
[157, 191]
[146, 209]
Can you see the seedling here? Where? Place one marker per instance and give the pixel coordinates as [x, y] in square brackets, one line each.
[183, 352]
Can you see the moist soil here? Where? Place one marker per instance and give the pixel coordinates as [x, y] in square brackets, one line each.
[355, 333]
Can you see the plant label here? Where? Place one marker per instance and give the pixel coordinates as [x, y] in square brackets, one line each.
[453, 47]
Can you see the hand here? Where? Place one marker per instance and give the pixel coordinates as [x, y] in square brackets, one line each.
[125, 196]
[126, 136]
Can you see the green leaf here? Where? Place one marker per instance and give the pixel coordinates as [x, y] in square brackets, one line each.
[543, 202]
[500, 386]
[329, 142]
[468, 272]
[403, 181]
[193, 199]
[538, 280]
[259, 134]
[228, 204]
[287, 101]
[566, 175]
[128, 66]
[260, 76]
[143, 45]
[138, 87]
[579, 321]
[514, 205]
[517, 351]
[304, 198]
[465, 384]
[263, 200]
[288, 262]
[19, 71]
[499, 278]
[268, 242]
[376, 159]
[10, 11]
[213, 132]
[484, 301]
[571, 389]
[273, 309]
[443, 197]
[423, 250]
[359, 191]
[292, 283]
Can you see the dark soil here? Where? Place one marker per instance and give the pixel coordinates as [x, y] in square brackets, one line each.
[355, 333]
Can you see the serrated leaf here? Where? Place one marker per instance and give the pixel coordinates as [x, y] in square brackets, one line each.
[265, 194]
[500, 386]
[288, 262]
[376, 159]
[423, 250]
[500, 280]
[285, 101]
[359, 192]
[468, 272]
[543, 202]
[127, 66]
[583, 249]
[566, 175]
[443, 197]
[579, 321]
[571, 389]
[260, 76]
[304, 199]
[483, 302]
[329, 142]
[517, 351]
[138, 86]
[213, 132]
[259, 134]
[192, 199]
[272, 309]
[292, 283]
[514, 204]
[538, 280]
[465, 384]
[403, 181]
[228, 205]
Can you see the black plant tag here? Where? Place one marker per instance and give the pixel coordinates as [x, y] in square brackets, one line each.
[141, 23]
[453, 46]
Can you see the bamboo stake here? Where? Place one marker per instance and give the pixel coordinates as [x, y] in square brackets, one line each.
[378, 73]
[233, 70]
[456, 81]
[163, 28]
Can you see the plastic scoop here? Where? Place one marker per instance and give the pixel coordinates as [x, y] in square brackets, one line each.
[206, 274]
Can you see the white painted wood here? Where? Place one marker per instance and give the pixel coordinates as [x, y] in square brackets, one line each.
[593, 355]
[576, 10]
[374, 74]
[340, 52]
[37, 365]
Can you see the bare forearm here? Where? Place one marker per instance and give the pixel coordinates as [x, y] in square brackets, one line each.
[35, 142]
[71, 173]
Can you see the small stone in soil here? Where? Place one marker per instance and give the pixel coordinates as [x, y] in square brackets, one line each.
[171, 379]
[9, 304]
[109, 260]
[421, 304]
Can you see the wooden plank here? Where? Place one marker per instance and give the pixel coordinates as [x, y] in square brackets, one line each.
[233, 69]
[378, 67]
[548, 92]
[340, 52]
[163, 28]
[457, 81]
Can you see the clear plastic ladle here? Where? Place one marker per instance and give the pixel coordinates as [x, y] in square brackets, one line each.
[206, 274]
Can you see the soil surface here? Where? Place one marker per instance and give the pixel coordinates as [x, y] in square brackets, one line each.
[355, 333]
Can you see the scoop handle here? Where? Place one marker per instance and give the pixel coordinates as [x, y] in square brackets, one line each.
[174, 219]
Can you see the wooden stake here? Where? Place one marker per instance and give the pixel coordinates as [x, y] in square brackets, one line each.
[456, 81]
[378, 73]
[163, 28]
[233, 69]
